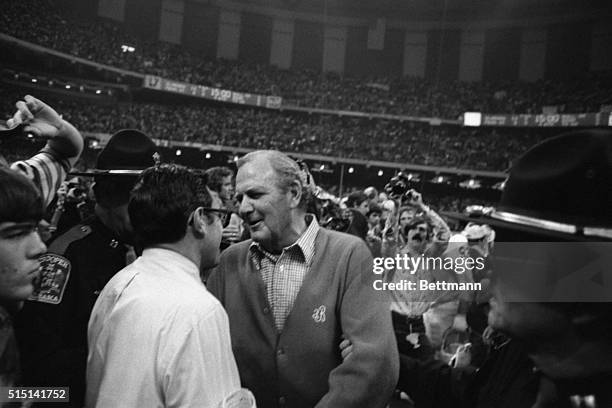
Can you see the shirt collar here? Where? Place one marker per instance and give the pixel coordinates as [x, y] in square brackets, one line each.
[305, 243]
[165, 256]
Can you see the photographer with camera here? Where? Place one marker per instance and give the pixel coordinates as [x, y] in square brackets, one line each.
[411, 205]
[426, 235]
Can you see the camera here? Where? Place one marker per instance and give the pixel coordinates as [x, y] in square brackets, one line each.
[398, 188]
[397, 185]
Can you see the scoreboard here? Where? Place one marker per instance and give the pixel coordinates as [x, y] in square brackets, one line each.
[599, 119]
[207, 92]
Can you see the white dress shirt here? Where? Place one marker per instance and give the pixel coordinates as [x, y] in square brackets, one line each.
[158, 338]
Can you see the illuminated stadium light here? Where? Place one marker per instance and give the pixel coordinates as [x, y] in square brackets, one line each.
[500, 185]
[34, 80]
[351, 170]
[380, 173]
[178, 152]
[473, 119]
[93, 143]
[67, 86]
[470, 184]
[98, 92]
[208, 156]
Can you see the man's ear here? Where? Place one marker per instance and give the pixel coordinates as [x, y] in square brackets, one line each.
[295, 190]
[199, 222]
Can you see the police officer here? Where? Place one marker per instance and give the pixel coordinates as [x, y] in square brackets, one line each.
[52, 327]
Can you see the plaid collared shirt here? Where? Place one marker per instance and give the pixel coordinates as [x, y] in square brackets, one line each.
[283, 274]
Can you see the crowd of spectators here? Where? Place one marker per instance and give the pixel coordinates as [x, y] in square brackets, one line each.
[329, 135]
[40, 22]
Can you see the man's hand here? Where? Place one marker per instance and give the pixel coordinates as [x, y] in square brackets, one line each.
[346, 348]
[416, 199]
[42, 121]
[463, 356]
[390, 226]
[231, 233]
[442, 235]
[38, 117]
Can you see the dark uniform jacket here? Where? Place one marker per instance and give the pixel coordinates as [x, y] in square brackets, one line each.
[52, 333]
[506, 380]
[9, 355]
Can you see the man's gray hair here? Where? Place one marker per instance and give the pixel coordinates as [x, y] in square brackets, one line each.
[287, 171]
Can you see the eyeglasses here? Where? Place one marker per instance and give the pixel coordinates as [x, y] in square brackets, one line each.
[222, 213]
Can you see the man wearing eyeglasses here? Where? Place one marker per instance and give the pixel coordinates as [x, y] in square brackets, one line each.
[52, 326]
[293, 291]
[157, 337]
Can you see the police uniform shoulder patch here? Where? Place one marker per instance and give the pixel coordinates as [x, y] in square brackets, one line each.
[54, 274]
[55, 268]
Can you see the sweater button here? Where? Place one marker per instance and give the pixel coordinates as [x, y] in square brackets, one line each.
[266, 310]
[282, 401]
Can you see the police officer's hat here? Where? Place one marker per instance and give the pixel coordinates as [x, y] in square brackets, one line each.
[127, 153]
[560, 188]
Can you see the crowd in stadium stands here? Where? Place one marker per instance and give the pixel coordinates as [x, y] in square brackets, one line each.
[330, 135]
[41, 23]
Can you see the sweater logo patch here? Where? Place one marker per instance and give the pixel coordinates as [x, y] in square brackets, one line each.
[318, 314]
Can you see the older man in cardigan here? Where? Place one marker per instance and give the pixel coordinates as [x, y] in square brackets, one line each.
[294, 291]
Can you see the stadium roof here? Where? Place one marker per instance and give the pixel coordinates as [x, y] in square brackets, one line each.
[442, 9]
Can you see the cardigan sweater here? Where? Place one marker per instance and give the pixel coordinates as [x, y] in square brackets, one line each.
[302, 366]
